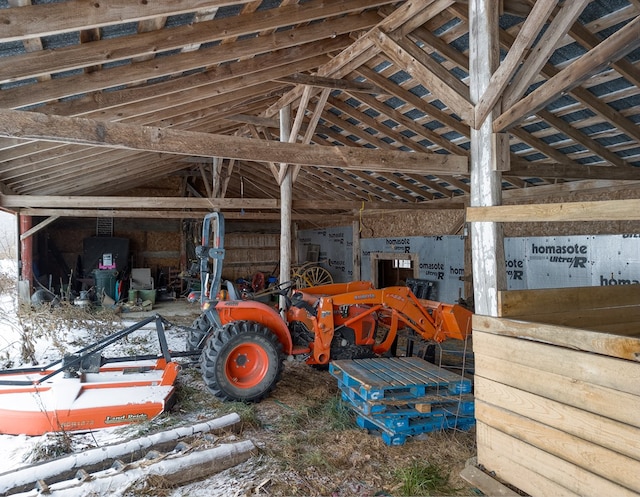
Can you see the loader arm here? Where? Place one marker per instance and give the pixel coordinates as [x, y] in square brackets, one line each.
[431, 320]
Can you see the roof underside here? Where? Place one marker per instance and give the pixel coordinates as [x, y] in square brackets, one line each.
[366, 74]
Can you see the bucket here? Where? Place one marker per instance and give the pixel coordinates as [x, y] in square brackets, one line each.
[105, 282]
[133, 295]
[147, 295]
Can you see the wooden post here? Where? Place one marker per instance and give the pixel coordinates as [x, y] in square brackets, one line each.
[26, 252]
[489, 271]
[286, 201]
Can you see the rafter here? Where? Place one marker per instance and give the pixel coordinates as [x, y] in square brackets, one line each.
[616, 46]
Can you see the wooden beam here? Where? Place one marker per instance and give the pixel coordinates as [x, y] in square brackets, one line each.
[25, 66]
[266, 122]
[168, 214]
[363, 49]
[38, 227]
[32, 125]
[311, 126]
[603, 210]
[526, 169]
[500, 79]
[616, 46]
[118, 202]
[331, 83]
[542, 51]
[49, 19]
[426, 71]
[171, 65]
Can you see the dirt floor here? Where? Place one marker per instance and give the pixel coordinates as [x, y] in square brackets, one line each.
[308, 442]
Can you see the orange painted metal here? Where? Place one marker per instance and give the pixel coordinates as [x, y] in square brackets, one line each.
[130, 392]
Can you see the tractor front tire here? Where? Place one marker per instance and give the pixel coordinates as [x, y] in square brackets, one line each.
[242, 361]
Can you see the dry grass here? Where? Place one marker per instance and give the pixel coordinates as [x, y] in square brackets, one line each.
[308, 441]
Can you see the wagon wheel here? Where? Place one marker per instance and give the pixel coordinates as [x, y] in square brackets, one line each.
[311, 275]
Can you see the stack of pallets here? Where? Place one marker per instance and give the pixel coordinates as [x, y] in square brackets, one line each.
[403, 396]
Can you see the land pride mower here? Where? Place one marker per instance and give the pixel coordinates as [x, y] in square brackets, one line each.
[244, 343]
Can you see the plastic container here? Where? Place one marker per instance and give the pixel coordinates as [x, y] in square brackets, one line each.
[147, 295]
[133, 295]
[105, 283]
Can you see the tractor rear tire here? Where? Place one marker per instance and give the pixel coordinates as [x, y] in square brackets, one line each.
[198, 331]
[242, 361]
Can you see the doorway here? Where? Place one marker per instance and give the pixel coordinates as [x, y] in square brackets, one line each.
[389, 269]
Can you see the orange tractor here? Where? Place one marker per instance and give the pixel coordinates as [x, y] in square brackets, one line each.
[244, 343]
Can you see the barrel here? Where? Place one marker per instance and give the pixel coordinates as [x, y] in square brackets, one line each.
[105, 283]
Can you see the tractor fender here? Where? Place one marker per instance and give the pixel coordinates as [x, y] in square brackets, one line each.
[251, 310]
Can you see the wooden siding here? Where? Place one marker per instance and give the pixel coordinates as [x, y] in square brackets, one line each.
[557, 406]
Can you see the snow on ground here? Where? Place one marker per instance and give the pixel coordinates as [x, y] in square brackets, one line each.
[20, 450]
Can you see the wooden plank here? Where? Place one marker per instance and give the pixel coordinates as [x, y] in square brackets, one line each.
[133, 137]
[587, 318]
[622, 347]
[568, 171]
[609, 372]
[614, 435]
[623, 407]
[618, 468]
[602, 210]
[548, 300]
[485, 483]
[536, 471]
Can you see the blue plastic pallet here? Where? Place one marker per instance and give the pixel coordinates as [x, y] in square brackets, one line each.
[462, 405]
[399, 437]
[397, 377]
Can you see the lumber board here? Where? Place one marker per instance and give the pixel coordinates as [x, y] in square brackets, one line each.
[622, 347]
[610, 372]
[608, 433]
[548, 300]
[601, 461]
[621, 406]
[483, 482]
[628, 329]
[586, 318]
[537, 472]
[601, 210]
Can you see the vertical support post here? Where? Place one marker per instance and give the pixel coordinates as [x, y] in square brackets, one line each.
[286, 202]
[26, 252]
[356, 257]
[487, 239]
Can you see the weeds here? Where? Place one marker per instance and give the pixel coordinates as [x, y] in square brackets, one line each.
[247, 413]
[424, 479]
[53, 445]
